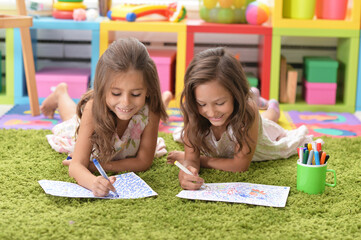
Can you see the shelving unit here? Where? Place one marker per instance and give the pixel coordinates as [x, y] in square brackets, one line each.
[179, 28]
[51, 23]
[348, 35]
[358, 89]
[7, 93]
[265, 44]
[352, 20]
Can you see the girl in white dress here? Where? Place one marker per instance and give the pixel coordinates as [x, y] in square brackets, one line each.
[116, 123]
[222, 125]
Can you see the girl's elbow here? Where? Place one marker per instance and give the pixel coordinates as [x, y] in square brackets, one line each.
[144, 165]
[242, 166]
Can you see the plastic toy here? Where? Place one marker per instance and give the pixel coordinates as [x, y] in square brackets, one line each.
[131, 12]
[331, 9]
[68, 6]
[257, 13]
[58, 14]
[91, 14]
[79, 14]
[225, 3]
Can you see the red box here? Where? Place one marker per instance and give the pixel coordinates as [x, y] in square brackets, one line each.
[165, 62]
[76, 78]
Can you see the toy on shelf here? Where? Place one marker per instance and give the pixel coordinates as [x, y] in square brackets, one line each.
[331, 9]
[64, 9]
[257, 13]
[299, 9]
[41, 8]
[79, 14]
[233, 11]
[131, 12]
[320, 80]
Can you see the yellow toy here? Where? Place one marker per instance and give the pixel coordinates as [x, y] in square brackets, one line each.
[68, 6]
[131, 12]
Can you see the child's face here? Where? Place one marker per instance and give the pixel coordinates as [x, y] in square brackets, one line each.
[126, 96]
[214, 102]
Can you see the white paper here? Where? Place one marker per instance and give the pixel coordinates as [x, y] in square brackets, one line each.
[128, 186]
[239, 192]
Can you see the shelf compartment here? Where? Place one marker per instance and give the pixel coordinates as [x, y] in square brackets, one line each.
[347, 55]
[352, 20]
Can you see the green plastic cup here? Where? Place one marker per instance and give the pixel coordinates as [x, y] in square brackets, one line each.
[311, 179]
[299, 9]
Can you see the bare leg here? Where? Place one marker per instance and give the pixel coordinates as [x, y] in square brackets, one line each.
[260, 101]
[59, 99]
[273, 112]
[166, 97]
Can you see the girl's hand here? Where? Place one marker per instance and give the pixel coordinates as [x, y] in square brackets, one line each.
[67, 161]
[190, 182]
[102, 186]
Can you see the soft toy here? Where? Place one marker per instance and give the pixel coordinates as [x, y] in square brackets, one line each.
[79, 14]
[91, 14]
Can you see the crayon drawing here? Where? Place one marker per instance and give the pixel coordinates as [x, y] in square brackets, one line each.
[128, 186]
[238, 192]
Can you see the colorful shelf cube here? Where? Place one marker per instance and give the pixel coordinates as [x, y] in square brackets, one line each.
[170, 27]
[20, 96]
[265, 44]
[347, 56]
[352, 20]
[358, 89]
[7, 94]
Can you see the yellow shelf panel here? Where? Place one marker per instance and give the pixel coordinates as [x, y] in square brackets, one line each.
[352, 20]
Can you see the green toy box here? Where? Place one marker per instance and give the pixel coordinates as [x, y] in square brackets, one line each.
[320, 69]
[252, 80]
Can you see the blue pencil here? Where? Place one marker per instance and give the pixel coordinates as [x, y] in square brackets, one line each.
[102, 172]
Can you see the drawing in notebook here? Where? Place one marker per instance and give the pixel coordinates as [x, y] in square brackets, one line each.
[239, 192]
[128, 186]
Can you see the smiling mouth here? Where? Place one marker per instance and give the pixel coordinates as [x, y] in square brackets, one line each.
[216, 118]
[124, 110]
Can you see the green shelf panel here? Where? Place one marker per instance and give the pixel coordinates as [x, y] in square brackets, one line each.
[306, 32]
[347, 55]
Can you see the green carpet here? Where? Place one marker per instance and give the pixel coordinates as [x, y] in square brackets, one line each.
[28, 213]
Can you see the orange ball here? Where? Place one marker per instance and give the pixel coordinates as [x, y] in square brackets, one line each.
[225, 3]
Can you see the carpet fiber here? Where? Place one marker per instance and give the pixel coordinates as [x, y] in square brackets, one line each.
[28, 213]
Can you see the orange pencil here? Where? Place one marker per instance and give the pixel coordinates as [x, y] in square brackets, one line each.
[323, 157]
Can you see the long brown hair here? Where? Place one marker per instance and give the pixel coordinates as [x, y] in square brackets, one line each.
[121, 56]
[216, 65]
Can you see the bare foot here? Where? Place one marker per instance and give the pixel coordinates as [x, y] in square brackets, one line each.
[166, 97]
[175, 156]
[50, 103]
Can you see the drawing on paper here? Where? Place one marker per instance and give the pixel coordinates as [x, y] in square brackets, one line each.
[238, 192]
[128, 186]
